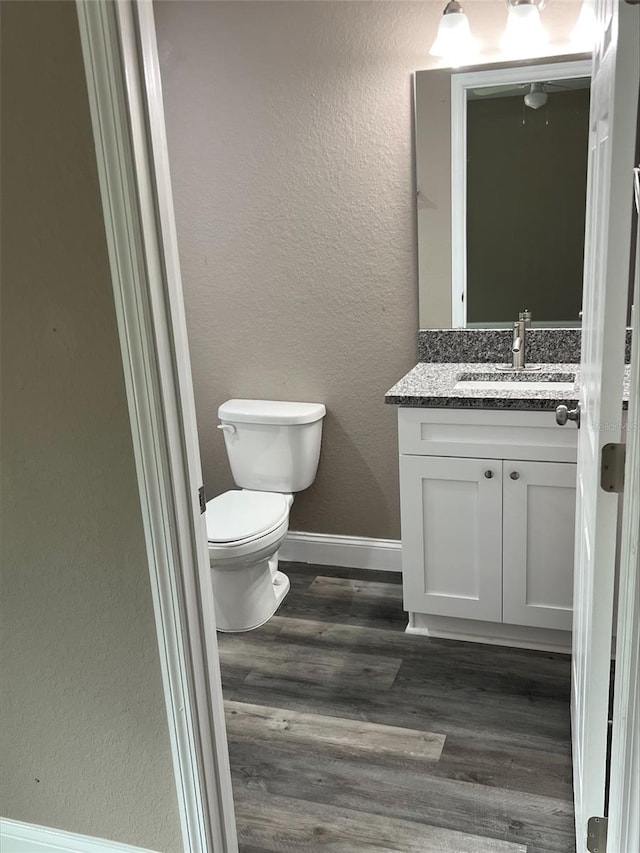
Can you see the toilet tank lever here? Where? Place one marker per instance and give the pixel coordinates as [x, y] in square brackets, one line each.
[227, 427]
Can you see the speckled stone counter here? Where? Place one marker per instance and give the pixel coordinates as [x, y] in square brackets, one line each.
[438, 386]
[434, 385]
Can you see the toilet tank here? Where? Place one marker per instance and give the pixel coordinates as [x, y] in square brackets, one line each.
[273, 446]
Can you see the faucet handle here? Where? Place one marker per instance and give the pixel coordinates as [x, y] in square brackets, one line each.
[525, 316]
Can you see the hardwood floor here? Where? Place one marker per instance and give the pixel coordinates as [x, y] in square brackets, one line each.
[347, 735]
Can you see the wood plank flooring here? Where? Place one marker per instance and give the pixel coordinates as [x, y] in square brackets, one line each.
[250, 722]
[347, 735]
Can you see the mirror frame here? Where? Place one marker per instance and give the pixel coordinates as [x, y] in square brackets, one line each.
[459, 85]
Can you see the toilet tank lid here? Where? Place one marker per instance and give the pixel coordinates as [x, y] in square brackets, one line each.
[270, 412]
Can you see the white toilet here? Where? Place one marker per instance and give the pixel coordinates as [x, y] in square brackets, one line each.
[273, 449]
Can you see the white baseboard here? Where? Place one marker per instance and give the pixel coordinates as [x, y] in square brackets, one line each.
[18, 837]
[354, 552]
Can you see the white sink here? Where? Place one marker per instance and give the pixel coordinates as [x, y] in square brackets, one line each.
[562, 383]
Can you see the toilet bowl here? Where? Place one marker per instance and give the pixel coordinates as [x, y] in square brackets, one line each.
[273, 449]
[245, 530]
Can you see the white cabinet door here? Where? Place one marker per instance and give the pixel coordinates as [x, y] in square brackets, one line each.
[538, 543]
[452, 536]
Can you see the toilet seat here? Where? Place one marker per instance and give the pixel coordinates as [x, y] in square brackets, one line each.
[239, 517]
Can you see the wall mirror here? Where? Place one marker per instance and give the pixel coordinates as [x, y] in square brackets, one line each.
[501, 166]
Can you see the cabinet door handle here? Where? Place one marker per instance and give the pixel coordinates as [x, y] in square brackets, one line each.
[488, 474]
[514, 475]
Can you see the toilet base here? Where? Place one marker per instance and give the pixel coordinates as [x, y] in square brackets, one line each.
[238, 618]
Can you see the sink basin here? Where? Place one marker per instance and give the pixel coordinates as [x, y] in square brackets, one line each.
[513, 381]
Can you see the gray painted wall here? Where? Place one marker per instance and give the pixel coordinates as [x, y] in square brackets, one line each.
[85, 740]
[290, 141]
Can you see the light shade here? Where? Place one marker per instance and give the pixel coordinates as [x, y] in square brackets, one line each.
[454, 41]
[536, 97]
[584, 32]
[524, 33]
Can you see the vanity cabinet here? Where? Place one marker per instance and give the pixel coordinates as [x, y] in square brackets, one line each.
[487, 508]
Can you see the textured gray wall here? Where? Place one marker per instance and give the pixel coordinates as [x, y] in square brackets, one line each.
[290, 141]
[86, 746]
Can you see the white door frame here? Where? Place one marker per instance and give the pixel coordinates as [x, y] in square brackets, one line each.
[122, 70]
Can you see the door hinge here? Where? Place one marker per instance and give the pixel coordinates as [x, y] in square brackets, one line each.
[612, 467]
[203, 500]
[597, 835]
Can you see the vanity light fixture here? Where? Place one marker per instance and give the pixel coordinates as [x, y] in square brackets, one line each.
[524, 32]
[584, 32]
[454, 41]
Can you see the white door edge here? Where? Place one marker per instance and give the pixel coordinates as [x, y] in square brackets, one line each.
[624, 794]
[121, 66]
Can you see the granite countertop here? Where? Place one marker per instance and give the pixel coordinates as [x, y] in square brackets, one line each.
[433, 384]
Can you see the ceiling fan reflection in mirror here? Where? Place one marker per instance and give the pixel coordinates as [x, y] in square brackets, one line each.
[536, 95]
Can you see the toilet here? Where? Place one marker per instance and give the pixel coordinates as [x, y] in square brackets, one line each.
[273, 449]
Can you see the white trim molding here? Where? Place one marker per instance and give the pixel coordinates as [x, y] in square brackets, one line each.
[354, 552]
[18, 837]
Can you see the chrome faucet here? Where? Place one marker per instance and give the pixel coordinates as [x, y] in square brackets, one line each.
[520, 339]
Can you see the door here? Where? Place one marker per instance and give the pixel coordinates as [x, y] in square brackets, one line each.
[452, 536]
[611, 142]
[538, 534]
